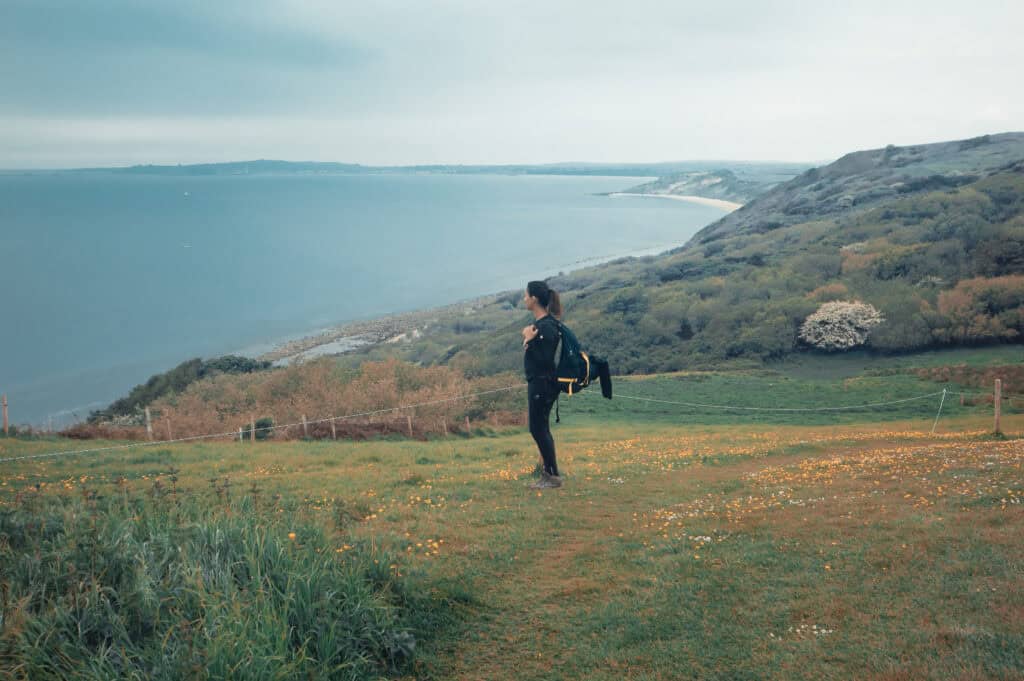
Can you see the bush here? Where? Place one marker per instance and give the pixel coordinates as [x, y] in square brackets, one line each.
[982, 310]
[175, 381]
[840, 325]
[264, 428]
[631, 302]
[906, 327]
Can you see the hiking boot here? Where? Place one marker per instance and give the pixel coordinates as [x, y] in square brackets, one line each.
[547, 482]
[541, 482]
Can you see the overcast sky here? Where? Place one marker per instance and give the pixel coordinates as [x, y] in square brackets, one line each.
[118, 82]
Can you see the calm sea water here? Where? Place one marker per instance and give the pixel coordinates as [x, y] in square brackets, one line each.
[106, 279]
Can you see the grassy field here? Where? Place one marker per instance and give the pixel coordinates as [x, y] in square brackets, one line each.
[685, 544]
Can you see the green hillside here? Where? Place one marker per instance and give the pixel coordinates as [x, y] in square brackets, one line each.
[931, 235]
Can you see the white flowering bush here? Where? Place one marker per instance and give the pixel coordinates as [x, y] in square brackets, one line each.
[840, 325]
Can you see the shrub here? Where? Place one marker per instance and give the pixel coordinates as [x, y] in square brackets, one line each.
[829, 292]
[906, 326]
[982, 310]
[174, 382]
[631, 302]
[264, 427]
[840, 325]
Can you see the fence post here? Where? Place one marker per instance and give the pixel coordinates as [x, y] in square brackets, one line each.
[305, 427]
[408, 419]
[5, 413]
[149, 425]
[169, 435]
[334, 430]
[998, 403]
[252, 428]
[240, 434]
[467, 424]
[961, 399]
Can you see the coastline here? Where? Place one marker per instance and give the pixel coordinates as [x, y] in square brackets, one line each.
[392, 328]
[703, 200]
[348, 336]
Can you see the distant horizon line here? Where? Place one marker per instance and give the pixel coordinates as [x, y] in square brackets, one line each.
[551, 164]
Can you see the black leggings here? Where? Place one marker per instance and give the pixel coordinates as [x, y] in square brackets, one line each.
[542, 393]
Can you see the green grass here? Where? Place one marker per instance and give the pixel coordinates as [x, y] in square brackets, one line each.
[837, 366]
[808, 385]
[852, 545]
[173, 584]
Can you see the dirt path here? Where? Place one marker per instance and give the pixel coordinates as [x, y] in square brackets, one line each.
[529, 607]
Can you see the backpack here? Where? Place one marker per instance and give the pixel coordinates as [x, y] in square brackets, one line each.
[577, 368]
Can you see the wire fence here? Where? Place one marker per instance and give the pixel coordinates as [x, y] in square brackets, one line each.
[942, 394]
[728, 407]
[234, 433]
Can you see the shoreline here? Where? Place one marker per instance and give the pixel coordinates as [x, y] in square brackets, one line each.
[348, 336]
[703, 200]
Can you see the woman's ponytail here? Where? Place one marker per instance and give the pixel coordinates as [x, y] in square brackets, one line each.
[555, 304]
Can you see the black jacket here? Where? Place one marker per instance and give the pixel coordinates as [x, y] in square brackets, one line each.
[539, 358]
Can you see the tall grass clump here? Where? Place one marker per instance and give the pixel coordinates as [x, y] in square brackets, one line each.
[115, 587]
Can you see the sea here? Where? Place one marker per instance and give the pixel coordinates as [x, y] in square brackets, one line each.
[107, 279]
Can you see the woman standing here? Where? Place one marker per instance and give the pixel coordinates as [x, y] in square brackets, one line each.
[540, 340]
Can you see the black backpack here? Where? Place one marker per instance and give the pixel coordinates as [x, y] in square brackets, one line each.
[577, 368]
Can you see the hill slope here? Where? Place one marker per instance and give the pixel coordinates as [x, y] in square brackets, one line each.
[931, 235]
[864, 179]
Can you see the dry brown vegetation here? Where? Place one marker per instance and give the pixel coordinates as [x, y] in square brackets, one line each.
[322, 390]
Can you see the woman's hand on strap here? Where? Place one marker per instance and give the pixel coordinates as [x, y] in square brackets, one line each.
[529, 333]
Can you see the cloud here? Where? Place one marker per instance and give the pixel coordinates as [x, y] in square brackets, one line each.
[399, 82]
[188, 57]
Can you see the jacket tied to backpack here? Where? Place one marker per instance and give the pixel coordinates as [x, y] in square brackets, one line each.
[577, 368]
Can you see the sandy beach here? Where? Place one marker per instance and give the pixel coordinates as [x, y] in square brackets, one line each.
[717, 203]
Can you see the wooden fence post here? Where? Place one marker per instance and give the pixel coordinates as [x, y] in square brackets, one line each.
[252, 428]
[444, 425]
[961, 399]
[240, 434]
[997, 403]
[467, 424]
[334, 430]
[149, 425]
[169, 435]
[305, 427]
[5, 413]
[408, 419]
